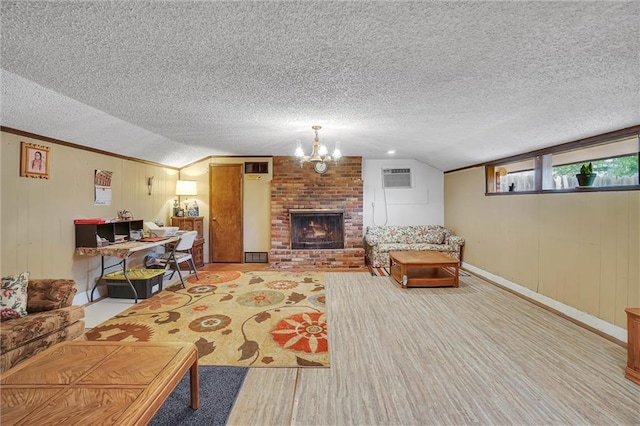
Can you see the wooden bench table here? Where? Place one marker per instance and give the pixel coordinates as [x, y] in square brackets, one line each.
[87, 383]
[424, 268]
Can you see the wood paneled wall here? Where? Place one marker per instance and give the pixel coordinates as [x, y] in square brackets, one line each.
[37, 233]
[581, 249]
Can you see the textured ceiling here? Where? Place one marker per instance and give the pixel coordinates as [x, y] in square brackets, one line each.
[450, 84]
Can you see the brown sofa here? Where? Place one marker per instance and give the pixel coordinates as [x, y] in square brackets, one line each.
[50, 319]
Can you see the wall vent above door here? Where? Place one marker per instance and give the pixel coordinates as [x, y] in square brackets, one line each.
[396, 178]
[256, 167]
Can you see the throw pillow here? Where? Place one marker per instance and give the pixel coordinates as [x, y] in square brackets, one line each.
[13, 297]
[49, 294]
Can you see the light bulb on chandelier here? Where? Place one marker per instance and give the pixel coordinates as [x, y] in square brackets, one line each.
[319, 153]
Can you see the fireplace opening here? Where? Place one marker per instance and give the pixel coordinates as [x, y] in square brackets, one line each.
[317, 229]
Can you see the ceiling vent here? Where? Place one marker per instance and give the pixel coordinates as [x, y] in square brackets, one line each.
[396, 178]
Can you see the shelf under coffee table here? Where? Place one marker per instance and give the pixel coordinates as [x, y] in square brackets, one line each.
[424, 269]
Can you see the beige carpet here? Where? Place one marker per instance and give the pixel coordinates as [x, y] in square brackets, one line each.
[251, 319]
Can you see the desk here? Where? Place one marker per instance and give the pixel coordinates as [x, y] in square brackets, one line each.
[96, 383]
[121, 251]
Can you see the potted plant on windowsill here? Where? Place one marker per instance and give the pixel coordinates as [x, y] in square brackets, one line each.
[586, 175]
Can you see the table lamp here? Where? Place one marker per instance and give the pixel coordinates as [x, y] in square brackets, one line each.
[186, 188]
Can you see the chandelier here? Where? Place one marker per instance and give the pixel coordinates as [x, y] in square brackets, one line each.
[319, 153]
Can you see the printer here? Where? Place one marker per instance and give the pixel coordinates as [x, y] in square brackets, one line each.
[160, 231]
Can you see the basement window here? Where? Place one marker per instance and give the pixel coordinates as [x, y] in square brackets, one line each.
[518, 176]
[615, 164]
[613, 156]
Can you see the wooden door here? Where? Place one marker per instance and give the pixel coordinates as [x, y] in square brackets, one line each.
[226, 234]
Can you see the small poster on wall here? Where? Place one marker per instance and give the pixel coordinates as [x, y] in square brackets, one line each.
[102, 182]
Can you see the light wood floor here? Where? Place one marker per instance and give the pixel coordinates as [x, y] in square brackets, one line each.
[475, 354]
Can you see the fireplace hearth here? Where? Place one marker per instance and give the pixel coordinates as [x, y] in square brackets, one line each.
[316, 229]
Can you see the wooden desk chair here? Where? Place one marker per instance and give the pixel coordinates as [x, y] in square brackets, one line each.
[180, 253]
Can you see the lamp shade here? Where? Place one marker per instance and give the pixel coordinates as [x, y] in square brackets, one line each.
[186, 187]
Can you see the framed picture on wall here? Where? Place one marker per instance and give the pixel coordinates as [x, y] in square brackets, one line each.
[34, 160]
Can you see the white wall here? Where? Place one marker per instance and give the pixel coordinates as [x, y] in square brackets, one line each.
[423, 204]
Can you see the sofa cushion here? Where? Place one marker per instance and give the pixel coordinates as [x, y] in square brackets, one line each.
[14, 356]
[19, 331]
[410, 234]
[397, 234]
[432, 235]
[386, 248]
[13, 297]
[388, 234]
[49, 294]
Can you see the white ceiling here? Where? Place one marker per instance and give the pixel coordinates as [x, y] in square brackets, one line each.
[450, 84]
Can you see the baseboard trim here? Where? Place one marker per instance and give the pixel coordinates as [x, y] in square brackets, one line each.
[605, 329]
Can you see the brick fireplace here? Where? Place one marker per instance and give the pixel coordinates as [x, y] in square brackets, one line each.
[295, 189]
[316, 229]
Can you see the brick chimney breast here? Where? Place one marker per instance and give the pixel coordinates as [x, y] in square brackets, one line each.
[340, 188]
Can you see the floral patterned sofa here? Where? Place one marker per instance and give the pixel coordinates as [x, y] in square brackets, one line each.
[380, 240]
[36, 314]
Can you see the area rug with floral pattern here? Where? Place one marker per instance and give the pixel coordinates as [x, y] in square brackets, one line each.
[251, 319]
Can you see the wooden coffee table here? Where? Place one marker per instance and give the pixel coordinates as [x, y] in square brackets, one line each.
[84, 383]
[424, 268]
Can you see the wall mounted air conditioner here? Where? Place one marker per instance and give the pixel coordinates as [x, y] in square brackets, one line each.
[396, 178]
